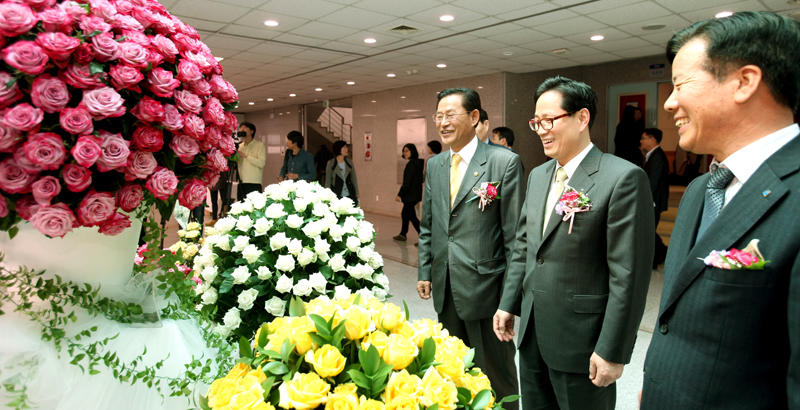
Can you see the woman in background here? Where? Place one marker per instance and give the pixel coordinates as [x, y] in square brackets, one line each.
[411, 192]
[340, 175]
[629, 132]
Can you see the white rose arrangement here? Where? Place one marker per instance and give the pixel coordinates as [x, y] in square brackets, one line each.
[295, 239]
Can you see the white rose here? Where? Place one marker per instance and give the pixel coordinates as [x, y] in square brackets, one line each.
[294, 221]
[285, 263]
[376, 261]
[323, 298]
[192, 234]
[190, 251]
[382, 280]
[337, 263]
[262, 225]
[275, 306]
[240, 275]
[193, 226]
[240, 242]
[320, 209]
[251, 253]
[361, 271]
[365, 231]
[181, 233]
[380, 294]
[224, 242]
[223, 331]
[342, 206]
[284, 284]
[263, 273]
[326, 195]
[209, 296]
[287, 185]
[199, 289]
[302, 288]
[326, 223]
[365, 253]
[209, 241]
[237, 208]
[336, 231]
[225, 225]
[300, 204]
[318, 282]
[275, 211]
[350, 224]
[353, 243]
[232, 319]
[209, 273]
[247, 298]
[244, 224]
[365, 293]
[341, 292]
[321, 246]
[312, 229]
[258, 199]
[306, 257]
[278, 194]
[294, 247]
[278, 241]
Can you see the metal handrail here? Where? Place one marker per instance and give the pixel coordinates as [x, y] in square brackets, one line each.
[345, 132]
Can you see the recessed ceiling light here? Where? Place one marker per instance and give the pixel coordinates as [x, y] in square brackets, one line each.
[723, 14]
[654, 26]
[219, 58]
[252, 103]
[447, 17]
[318, 89]
[373, 100]
[269, 99]
[480, 87]
[402, 96]
[271, 23]
[292, 95]
[561, 51]
[441, 65]
[390, 75]
[280, 113]
[597, 38]
[370, 40]
[508, 53]
[351, 82]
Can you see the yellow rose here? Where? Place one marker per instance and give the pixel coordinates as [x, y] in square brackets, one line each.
[358, 323]
[249, 394]
[275, 339]
[426, 328]
[390, 317]
[452, 345]
[406, 330]
[475, 384]
[190, 251]
[451, 365]
[305, 391]
[327, 361]
[347, 388]
[238, 371]
[192, 234]
[402, 384]
[436, 390]
[341, 402]
[377, 339]
[369, 404]
[300, 327]
[402, 403]
[277, 323]
[193, 226]
[325, 308]
[220, 393]
[181, 233]
[258, 374]
[400, 352]
[178, 246]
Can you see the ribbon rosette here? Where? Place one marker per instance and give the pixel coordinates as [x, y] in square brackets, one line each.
[748, 259]
[571, 203]
[487, 193]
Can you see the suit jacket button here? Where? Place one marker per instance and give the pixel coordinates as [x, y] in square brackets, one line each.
[540, 261]
[451, 239]
[664, 329]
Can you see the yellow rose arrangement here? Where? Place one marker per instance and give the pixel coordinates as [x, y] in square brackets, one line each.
[352, 354]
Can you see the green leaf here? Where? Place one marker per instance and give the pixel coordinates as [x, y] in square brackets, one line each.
[244, 348]
[96, 68]
[296, 307]
[318, 339]
[405, 306]
[11, 82]
[13, 232]
[226, 285]
[434, 407]
[428, 353]
[359, 379]
[481, 399]
[508, 399]
[276, 368]
[230, 106]
[323, 328]
[204, 403]
[286, 349]
[370, 360]
[262, 336]
[267, 384]
[468, 359]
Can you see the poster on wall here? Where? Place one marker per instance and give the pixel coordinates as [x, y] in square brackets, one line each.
[367, 146]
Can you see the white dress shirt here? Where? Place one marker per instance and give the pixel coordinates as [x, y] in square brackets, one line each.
[466, 154]
[571, 166]
[649, 153]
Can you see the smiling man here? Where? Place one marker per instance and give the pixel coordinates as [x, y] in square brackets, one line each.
[463, 249]
[579, 286]
[728, 338]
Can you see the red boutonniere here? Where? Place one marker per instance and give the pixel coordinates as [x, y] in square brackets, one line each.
[748, 259]
[487, 193]
[571, 203]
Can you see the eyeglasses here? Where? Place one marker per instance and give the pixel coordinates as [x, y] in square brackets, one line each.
[547, 123]
[448, 117]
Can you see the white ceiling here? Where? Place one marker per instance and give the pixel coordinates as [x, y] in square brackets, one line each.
[320, 43]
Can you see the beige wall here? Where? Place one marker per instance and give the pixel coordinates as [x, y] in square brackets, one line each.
[284, 119]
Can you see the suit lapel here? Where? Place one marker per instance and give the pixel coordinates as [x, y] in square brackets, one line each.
[442, 197]
[581, 181]
[539, 189]
[474, 173]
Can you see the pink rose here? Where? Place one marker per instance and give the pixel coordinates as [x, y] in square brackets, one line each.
[193, 194]
[3, 207]
[26, 207]
[83, 55]
[213, 135]
[125, 77]
[137, 37]
[154, 59]
[223, 89]
[87, 150]
[8, 95]
[49, 93]
[186, 43]
[79, 76]
[54, 220]
[203, 60]
[231, 124]
[200, 87]
[92, 24]
[147, 138]
[23, 117]
[491, 191]
[162, 183]
[133, 54]
[115, 152]
[210, 177]
[74, 10]
[16, 19]
[186, 29]
[744, 258]
[129, 197]
[193, 125]
[140, 165]
[213, 111]
[123, 6]
[25, 56]
[45, 149]
[25, 163]
[39, 4]
[188, 71]
[227, 146]
[45, 189]
[56, 19]
[13, 178]
[58, 46]
[216, 160]
[173, 120]
[76, 177]
[96, 208]
[8, 137]
[127, 23]
[161, 82]
[103, 102]
[148, 110]
[187, 101]
[144, 16]
[184, 147]
[104, 9]
[165, 47]
[115, 225]
[76, 121]
[165, 25]
[105, 47]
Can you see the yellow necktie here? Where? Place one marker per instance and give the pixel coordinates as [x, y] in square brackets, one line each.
[555, 194]
[455, 178]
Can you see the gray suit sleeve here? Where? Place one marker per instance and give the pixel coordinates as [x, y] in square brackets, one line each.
[793, 372]
[512, 195]
[512, 290]
[424, 254]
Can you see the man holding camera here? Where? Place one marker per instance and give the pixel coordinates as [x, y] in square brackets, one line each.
[252, 157]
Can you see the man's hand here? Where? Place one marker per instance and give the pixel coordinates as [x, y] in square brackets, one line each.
[602, 372]
[397, 199]
[424, 289]
[242, 154]
[292, 175]
[280, 179]
[503, 325]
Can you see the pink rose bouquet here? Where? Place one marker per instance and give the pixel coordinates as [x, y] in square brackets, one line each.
[105, 107]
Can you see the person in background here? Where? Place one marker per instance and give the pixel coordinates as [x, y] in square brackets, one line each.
[503, 136]
[410, 193]
[340, 175]
[435, 147]
[656, 166]
[629, 131]
[219, 199]
[252, 157]
[321, 161]
[297, 163]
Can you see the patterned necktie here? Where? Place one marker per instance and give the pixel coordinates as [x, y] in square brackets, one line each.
[715, 197]
[555, 193]
[455, 178]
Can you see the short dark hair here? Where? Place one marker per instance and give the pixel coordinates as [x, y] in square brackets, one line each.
[337, 147]
[505, 133]
[575, 95]
[435, 146]
[484, 116]
[296, 137]
[412, 149]
[764, 39]
[250, 126]
[470, 99]
[655, 133]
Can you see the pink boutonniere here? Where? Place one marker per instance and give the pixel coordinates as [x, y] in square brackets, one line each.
[571, 203]
[748, 259]
[487, 193]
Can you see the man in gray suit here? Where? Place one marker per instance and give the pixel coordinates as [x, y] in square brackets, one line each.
[578, 285]
[464, 249]
[726, 338]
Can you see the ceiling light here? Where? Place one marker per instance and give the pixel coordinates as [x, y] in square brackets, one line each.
[402, 96]
[271, 23]
[447, 17]
[292, 95]
[723, 14]
[480, 87]
[441, 65]
[269, 99]
[219, 58]
[508, 53]
[351, 82]
[373, 100]
[654, 26]
[390, 75]
[560, 51]
[597, 38]
[252, 103]
[318, 89]
[370, 40]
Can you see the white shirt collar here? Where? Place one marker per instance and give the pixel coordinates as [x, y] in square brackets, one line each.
[572, 165]
[744, 162]
[647, 156]
[467, 152]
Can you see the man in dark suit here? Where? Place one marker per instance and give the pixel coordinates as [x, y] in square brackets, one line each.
[464, 249]
[730, 339]
[503, 136]
[579, 286]
[656, 166]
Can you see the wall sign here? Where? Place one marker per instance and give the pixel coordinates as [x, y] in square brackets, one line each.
[367, 146]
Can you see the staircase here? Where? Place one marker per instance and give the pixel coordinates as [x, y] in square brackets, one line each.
[334, 123]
